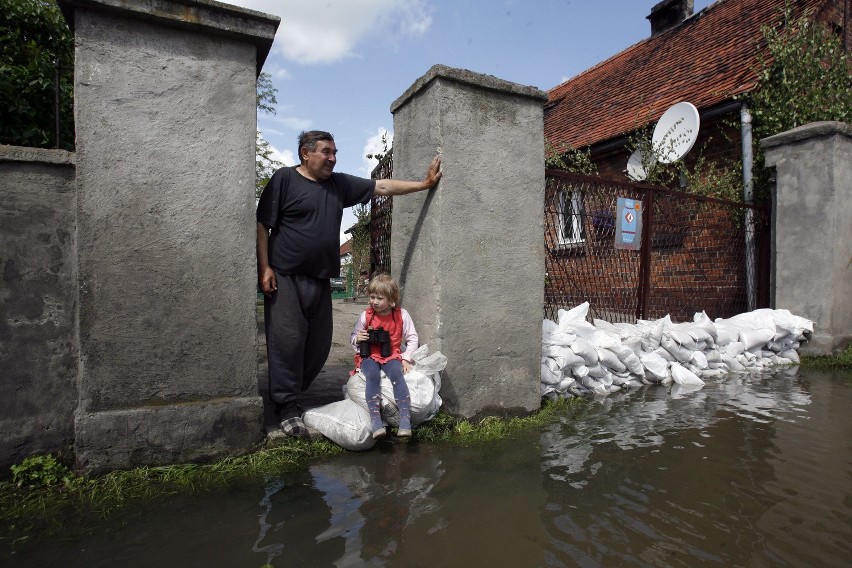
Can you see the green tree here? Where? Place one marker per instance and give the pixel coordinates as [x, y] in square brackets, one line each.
[804, 77]
[34, 40]
[566, 157]
[265, 164]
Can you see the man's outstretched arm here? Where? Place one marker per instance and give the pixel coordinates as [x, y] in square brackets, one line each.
[402, 187]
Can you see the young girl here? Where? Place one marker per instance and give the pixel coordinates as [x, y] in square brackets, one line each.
[381, 350]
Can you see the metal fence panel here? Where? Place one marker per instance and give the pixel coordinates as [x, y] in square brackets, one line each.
[698, 253]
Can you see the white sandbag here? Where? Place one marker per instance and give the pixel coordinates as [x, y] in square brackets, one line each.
[756, 319]
[610, 360]
[651, 333]
[732, 363]
[682, 337]
[578, 312]
[574, 321]
[630, 359]
[590, 383]
[551, 364]
[425, 400]
[791, 354]
[550, 376]
[618, 379]
[634, 343]
[796, 326]
[564, 384]
[432, 363]
[779, 346]
[552, 350]
[552, 335]
[673, 347]
[684, 376]
[605, 326]
[579, 371]
[755, 338]
[726, 333]
[571, 359]
[343, 422]
[605, 340]
[701, 337]
[585, 350]
[598, 371]
[663, 352]
[734, 348]
[655, 366]
[713, 356]
[702, 320]
[699, 360]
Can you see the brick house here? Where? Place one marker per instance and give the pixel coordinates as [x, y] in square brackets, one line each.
[697, 259]
[707, 58]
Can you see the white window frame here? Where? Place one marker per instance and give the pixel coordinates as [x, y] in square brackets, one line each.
[570, 229]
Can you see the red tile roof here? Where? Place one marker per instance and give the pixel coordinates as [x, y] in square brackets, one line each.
[346, 248]
[705, 60]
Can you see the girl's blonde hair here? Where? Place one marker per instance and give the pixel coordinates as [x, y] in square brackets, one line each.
[384, 285]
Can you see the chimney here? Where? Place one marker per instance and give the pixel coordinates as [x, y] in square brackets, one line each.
[669, 13]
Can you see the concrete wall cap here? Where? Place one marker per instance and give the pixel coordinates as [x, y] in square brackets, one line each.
[216, 18]
[807, 131]
[479, 80]
[43, 155]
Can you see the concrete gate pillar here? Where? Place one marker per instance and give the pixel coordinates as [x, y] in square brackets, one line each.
[470, 254]
[812, 249]
[166, 119]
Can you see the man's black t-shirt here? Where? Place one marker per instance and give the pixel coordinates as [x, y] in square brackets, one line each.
[305, 216]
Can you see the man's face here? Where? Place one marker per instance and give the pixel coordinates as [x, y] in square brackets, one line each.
[320, 162]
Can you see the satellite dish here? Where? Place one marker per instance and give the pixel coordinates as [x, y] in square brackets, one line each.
[636, 165]
[676, 132]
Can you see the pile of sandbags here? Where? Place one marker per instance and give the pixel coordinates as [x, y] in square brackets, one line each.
[347, 422]
[582, 359]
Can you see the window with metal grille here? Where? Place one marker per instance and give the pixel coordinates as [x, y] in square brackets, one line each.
[570, 218]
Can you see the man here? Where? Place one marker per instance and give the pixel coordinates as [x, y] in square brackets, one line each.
[298, 243]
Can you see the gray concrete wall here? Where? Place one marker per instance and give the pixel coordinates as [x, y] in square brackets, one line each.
[470, 254]
[165, 114]
[38, 356]
[812, 250]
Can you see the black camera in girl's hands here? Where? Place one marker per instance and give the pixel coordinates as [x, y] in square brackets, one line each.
[376, 337]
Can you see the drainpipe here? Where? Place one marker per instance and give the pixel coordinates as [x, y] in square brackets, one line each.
[748, 197]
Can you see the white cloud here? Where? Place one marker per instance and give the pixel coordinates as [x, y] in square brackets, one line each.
[286, 157]
[323, 32]
[277, 72]
[375, 144]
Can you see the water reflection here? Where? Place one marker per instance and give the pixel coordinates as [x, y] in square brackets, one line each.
[402, 506]
[728, 475]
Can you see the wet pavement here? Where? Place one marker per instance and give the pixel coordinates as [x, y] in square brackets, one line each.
[328, 386]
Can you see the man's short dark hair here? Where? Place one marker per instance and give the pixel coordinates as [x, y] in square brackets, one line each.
[310, 138]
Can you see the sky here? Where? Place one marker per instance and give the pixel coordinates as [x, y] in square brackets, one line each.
[338, 65]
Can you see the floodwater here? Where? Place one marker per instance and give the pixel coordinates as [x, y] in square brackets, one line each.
[749, 471]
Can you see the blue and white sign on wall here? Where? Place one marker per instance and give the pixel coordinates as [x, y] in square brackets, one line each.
[628, 228]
